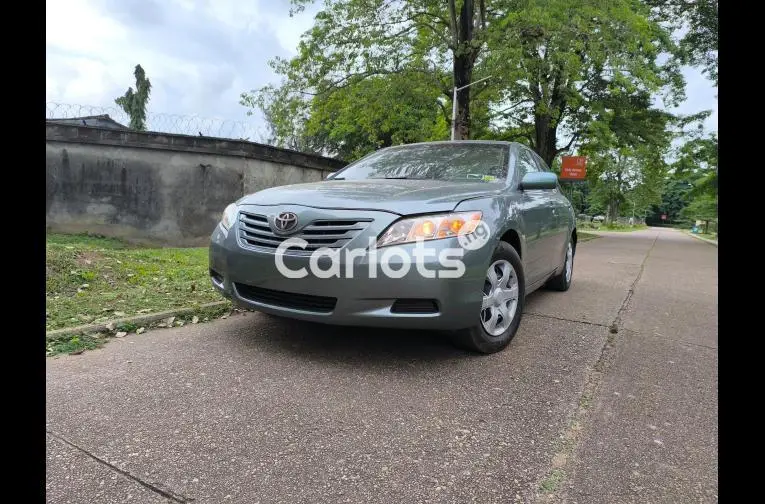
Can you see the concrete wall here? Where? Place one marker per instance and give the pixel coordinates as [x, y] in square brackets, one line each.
[155, 187]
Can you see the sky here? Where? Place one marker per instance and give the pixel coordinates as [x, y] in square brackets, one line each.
[199, 55]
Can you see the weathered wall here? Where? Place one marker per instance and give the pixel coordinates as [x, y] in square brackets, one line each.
[159, 188]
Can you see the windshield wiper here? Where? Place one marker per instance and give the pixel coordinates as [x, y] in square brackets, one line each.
[399, 178]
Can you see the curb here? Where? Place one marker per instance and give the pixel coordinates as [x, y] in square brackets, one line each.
[138, 320]
[711, 242]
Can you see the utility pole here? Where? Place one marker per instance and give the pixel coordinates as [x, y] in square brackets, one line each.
[454, 104]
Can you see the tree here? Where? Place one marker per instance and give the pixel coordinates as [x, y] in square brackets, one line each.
[700, 19]
[698, 165]
[626, 143]
[552, 62]
[353, 40]
[674, 198]
[134, 102]
[624, 175]
[573, 57]
[374, 113]
[354, 120]
[703, 208]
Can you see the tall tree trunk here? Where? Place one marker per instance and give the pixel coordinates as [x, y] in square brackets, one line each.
[545, 138]
[463, 72]
[613, 211]
[464, 54]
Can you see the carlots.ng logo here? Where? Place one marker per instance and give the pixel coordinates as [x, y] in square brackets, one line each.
[394, 261]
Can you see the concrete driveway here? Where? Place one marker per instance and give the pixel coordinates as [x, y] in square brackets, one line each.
[253, 409]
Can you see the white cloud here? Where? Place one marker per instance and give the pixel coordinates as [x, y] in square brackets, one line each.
[199, 54]
[701, 95]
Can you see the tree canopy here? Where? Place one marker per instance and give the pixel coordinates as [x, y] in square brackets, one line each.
[552, 66]
[134, 102]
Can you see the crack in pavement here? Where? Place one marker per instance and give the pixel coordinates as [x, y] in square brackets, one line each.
[150, 486]
[674, 340]
[563, 319]
[570, 437]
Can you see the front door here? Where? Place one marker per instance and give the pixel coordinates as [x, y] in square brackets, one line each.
[538, 222]
[560, 211]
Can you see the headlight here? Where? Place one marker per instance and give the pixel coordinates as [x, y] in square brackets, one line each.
[229, 216]
[429, 227]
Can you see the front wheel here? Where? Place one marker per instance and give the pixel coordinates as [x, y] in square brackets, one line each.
[501, 305]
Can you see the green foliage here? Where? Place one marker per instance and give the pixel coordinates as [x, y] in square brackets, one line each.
[134, 102]
[575, 58]
[701, 208]
[554, 66]
[693, 182]
[699, 45]
[374, 113]
[73, 344]
[625, 145]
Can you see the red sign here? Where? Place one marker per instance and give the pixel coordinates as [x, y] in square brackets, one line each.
[573, 168]
[663, 216]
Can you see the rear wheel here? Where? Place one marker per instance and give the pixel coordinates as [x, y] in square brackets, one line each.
[501, 306]
[562, 281]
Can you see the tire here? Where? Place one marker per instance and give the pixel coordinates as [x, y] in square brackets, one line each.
[562, 281]
[477, 338]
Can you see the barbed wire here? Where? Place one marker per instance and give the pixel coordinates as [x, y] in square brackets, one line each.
[164, 123]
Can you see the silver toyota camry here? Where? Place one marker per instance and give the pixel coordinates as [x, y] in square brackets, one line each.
[440, 235]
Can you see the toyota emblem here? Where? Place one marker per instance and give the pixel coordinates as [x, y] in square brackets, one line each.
[285, 222]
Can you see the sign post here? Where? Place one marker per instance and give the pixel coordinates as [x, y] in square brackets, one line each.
[573, 169]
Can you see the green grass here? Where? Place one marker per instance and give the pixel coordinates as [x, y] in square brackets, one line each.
[708, 236]
[74, 344]
[553, 480]
[582, 236]
[78, 343]
[609, 227]
[622, 227]
[92, 279]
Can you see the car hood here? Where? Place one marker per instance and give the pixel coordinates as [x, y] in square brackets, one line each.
[401, 197]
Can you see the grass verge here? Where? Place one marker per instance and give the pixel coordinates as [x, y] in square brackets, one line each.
[584, 236]
[708, 236]
[91, 279]
[74, 344]
[590, 226]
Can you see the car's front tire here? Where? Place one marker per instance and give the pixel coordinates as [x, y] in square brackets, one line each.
[502, 304]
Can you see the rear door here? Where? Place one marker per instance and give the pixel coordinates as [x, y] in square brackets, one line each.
[538, 220]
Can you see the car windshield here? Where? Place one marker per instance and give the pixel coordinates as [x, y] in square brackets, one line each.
[468, 162]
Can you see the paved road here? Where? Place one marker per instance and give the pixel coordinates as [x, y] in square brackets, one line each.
[257, 410]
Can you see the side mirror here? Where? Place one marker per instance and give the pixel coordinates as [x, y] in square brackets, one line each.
[538, 180]
[330, 176]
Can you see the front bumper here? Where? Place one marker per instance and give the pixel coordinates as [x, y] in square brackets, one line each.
[360, 300]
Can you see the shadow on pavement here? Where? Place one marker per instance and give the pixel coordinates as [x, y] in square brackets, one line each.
[363, 345]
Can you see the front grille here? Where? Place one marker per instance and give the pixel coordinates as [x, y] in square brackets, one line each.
[307, 302]
[414, 306]
[255, 231]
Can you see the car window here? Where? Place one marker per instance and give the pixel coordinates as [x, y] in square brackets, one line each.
[525, 163]
[542, 166]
